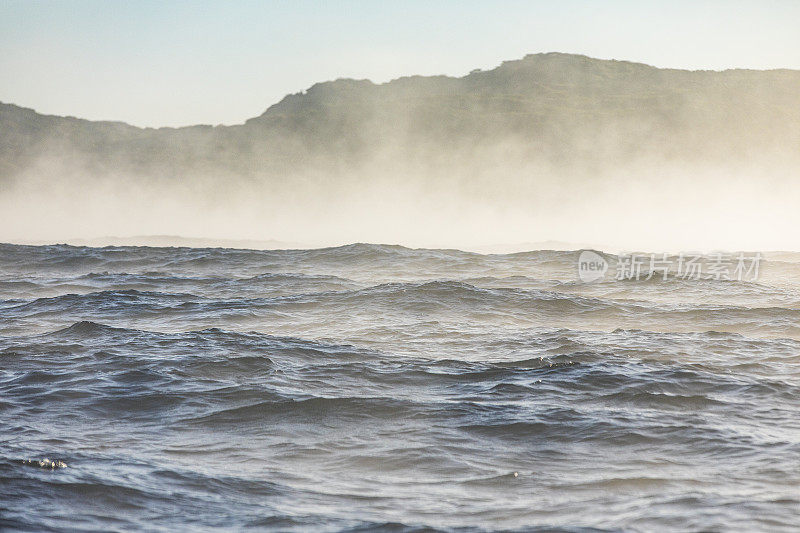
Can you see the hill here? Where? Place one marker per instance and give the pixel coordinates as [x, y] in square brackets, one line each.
[542, 148]
[560, 110]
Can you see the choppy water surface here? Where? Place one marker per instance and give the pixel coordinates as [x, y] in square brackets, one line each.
[378, 387]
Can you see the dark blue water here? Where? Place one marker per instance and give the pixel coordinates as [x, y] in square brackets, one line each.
[373, 387]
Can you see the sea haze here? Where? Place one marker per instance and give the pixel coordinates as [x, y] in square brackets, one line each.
[548, 147]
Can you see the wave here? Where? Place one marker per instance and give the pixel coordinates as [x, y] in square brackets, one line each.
[380, 387]
[433, 298]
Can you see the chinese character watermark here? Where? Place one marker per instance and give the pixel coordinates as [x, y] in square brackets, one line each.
[593, 266]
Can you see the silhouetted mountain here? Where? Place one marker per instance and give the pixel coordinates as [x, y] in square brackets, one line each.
[559, 110]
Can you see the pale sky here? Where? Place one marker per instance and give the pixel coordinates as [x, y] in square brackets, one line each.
[161, 63]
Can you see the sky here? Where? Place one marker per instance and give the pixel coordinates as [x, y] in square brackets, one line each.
[162, 63]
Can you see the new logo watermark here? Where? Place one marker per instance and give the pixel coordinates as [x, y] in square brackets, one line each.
[591, 266]
[717, 266]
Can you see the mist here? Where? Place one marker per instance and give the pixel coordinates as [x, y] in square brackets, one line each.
[479, 203]
[631, 157]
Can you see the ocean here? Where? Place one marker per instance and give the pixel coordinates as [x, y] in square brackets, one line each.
[382, 388]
